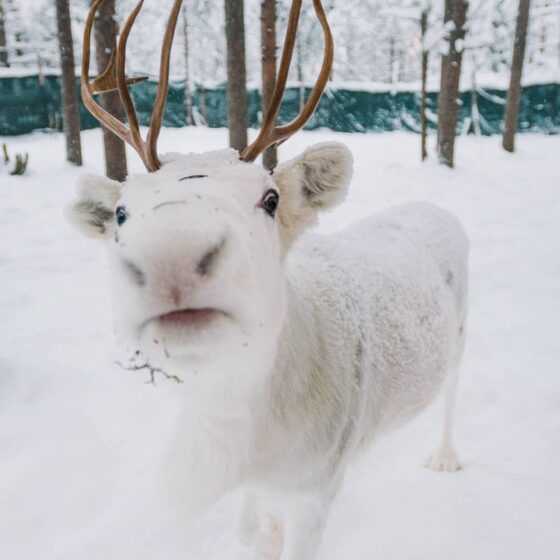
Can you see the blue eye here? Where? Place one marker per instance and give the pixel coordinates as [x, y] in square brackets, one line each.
[121, 215]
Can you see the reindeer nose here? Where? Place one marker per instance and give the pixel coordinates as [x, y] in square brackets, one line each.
[209, 260]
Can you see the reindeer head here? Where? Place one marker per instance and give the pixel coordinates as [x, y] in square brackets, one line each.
[198, 244]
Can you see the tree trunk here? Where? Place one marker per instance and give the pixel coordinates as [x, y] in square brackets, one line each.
[475, 113]
[268, 53]
[70, 107]
[105, 30]
[203, 99]
[19, 39]
[236, 74]
[448, 103]
[425, 60]
[392, 58]
[188, 85]
[4, 61]
[300, 76]
[514, 91]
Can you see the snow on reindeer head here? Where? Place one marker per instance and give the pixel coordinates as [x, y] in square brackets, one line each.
[197, 245]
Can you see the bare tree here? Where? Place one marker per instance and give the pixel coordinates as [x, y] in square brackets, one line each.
[70, 107]
[203, 101]
[475, 113]
[300, 75]
[236, 74]
[105, 29]
[4, 61]
[514, 91]
[455, 15]
[188, 84]
[418, 11]
[268, 53]
[423, 92]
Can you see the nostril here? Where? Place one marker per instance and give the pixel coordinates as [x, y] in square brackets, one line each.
[135, 273]
[206, 263]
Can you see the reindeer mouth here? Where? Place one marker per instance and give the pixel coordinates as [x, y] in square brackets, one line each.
[190, 322]
[189, 317]
[187, 334]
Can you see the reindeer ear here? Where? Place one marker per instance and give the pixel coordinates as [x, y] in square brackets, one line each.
[316, 180]
[93, 211]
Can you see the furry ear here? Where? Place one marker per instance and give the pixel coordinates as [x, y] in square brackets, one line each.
[316, 180]
[93, 211]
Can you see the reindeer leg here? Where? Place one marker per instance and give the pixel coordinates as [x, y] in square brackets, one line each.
[445, 457]
[305, 518]
[248, 519]
[257, 529]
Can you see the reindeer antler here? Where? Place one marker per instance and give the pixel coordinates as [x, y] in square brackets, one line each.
[114, 78]
[270, 134]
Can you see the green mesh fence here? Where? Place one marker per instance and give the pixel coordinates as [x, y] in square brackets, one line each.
[28, 103]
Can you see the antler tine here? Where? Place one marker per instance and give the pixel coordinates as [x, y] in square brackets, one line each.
[263, 140]
[285, 131]
[110, 80]
[163, 87]
[274, 135]
[106, 81]
[124, 94]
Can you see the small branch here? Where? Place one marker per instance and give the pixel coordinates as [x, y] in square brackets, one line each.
[152, 371]
[21, 164]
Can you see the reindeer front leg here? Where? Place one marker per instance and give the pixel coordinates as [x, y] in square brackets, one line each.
[294, 534]
[304, 521]
[258, 527]
[248, 520]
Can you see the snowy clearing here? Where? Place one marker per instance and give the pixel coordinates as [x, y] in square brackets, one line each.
[81, 440]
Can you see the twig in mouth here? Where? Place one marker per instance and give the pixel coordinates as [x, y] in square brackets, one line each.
[152, 371]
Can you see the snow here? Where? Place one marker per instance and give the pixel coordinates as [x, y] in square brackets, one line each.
[81, 440]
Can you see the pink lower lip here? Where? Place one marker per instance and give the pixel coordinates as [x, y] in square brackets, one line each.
[188, 317]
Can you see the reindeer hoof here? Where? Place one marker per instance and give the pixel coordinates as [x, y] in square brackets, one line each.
[443, 461]
[269, 540]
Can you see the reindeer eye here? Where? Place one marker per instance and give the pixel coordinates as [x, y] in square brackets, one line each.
[121, 215]
[270, 202]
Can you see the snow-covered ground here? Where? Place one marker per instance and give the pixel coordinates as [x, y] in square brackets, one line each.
[81, 440]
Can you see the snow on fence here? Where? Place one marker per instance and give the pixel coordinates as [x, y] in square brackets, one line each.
[31, 102]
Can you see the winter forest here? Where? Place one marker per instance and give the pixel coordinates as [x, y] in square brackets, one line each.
[279, 279]
[381, 46]
[376, 40]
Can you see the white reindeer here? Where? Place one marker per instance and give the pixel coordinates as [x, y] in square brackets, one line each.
[295, 350]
